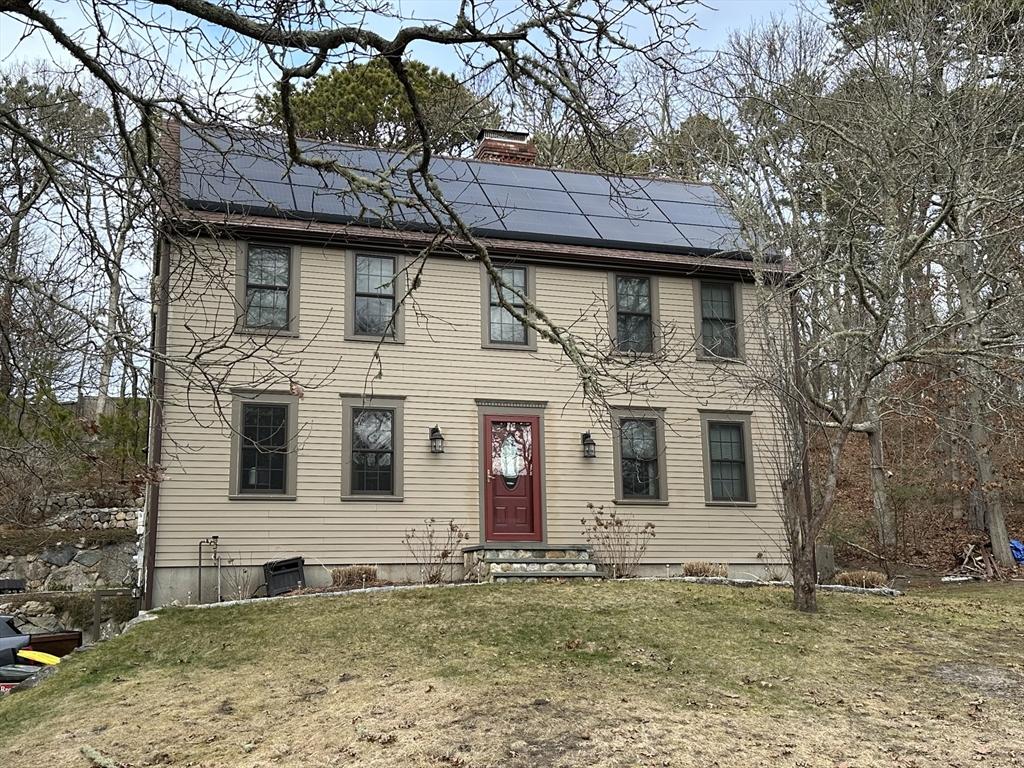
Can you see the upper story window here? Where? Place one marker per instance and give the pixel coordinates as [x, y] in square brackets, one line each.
[634, 314]
[372, 297]
[639, 456]
[728, 469]
[500, 328]
[718, 319]
[372, 452]
[263, 455]
[268, 288]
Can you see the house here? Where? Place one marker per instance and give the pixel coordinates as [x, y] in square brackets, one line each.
[303, 409]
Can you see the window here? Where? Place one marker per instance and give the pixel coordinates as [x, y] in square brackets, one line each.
[263, 455]
[639, 449]
[500, 328]
[718, 319]
[267, 292]
[372, 300]
[728, 470]
[633, 313]
[372, 452]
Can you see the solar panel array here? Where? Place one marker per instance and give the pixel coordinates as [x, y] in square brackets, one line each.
[251, 174]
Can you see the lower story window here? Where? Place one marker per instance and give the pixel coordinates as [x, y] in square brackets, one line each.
[373, 451]
[264, 456]
[727, 458]
[639, 457]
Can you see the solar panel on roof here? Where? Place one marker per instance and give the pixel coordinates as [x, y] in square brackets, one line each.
[252, 172]
[647, 232]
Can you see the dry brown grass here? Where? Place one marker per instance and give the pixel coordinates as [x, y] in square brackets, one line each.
[703, 568]
[861, 578]
[568, 675]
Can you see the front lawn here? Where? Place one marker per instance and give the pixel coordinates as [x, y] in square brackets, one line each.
[613, 674]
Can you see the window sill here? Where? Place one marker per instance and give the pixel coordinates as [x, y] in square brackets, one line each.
[260, 497]
[706, 358]
[374, 499]
[641, 502]
[374, 339]
[283, 333]
[510, 347]
[730, 503]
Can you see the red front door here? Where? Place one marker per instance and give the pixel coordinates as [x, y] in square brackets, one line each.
[512, 468]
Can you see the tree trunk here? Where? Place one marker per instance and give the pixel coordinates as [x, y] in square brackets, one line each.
[805, 577]
[885, 518]
[986, 489]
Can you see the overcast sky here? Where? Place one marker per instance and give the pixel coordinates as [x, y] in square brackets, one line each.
[715, 20]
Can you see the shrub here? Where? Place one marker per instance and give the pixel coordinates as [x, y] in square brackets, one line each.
[862, 579]
[435, 548]
[354, 576]
[618, 541]
[704, 568]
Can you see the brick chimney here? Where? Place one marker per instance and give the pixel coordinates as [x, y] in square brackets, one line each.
[513, 147]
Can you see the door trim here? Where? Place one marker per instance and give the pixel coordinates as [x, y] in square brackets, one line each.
[511, 412]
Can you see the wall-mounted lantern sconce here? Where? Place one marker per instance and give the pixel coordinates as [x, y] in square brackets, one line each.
[589, 446]
[436, 440]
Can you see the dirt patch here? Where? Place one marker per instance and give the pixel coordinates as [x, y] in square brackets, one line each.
[986, 680]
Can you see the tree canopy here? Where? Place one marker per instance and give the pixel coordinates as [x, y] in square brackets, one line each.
[364, 103]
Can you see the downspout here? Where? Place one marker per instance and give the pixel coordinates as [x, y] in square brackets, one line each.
[156, 427]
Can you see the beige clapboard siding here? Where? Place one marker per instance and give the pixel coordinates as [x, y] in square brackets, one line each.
[440, 370]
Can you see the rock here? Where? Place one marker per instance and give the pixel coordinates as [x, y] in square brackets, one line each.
[88, 557]
[58, 556]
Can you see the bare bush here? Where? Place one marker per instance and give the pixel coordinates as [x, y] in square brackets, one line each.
[435, 548]
[704, 568]
[862, 579]
[354, 576]
[618, 541]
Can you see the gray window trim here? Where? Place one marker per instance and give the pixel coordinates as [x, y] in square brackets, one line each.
[613, 312]
[241, 278]
[485, 307]
[698, 314]
[401, 283]
[742, 418]
[658, 415]
[240, 396]
[389, 402]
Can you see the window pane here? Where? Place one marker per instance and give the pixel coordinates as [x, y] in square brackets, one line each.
[373, 316]
[266, 308]
[633, 294]
[268, 265]
[720, 338]
[633, 333]
[717, 301]
[505, 329]
[375, 274]
[372, 450]
[263, 459]
[727, 455]
[639, 453]
[372, 429]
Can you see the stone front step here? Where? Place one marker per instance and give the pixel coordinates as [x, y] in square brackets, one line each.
[516, 562]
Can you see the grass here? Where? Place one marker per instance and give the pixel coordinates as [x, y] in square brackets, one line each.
[651, 673]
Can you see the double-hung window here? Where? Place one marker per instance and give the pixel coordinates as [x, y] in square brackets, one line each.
[268, 292]
[718, 320]
[634, 318]
[263, 451]
[372, 453]
[728, 469]
[639, 457]
[501, 328]
[373, 300]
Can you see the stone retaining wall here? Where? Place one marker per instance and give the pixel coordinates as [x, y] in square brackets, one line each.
[95, 510]
[73, 564]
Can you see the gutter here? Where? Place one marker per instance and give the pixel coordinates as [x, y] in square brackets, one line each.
[158, 368]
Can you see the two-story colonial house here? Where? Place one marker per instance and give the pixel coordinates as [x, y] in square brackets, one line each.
[303, 408]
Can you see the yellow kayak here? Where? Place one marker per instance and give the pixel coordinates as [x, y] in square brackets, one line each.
[39, 657]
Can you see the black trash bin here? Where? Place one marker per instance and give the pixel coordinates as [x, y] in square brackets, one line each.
[284, 575]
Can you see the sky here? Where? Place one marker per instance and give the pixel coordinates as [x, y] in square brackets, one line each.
[715, 20]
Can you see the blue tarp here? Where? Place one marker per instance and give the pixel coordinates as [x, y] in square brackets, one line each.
[1017, 548]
